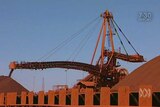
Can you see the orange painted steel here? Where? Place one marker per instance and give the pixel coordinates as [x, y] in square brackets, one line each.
[124, 57]
[145, 98]
[1, 98]
[110, 35]
[145, 95]
[11, 98]
[62, 97]
[30, 98]
[95, 49]
[105, 96]
[103, 44]
[104, 73]
[123, 96]
[89, 96]
[93, 69]
[23, 97]
[74, 97]
[41, 97]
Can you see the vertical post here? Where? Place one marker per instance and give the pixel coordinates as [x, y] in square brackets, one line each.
[123, 96]
[23, 97]
[110, 35]
[30, 97]
[103, 42]
[89, 96]
[62, 97]
[105, 96]
[11, 98]
[74, 97]
[41, 97]
[145, 96]
[51, 98]
[95, 49]
[1, 98]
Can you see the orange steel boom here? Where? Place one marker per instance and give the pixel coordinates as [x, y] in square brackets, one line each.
[105, 72]
[55, 64]
[129, 58]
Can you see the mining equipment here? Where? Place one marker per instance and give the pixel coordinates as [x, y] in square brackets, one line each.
[106, 72]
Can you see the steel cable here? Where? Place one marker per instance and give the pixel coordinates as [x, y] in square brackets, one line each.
[64, 42]
[125, 37]
[83, 42]
[119, 37]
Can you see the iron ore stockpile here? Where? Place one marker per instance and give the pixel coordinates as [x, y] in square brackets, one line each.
[106, 84]
[8, 84]
[147, 74]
